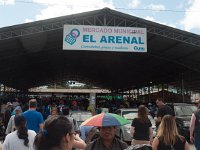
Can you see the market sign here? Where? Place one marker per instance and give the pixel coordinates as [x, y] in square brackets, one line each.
[104, 38]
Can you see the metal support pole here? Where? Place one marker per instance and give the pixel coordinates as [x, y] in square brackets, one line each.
[138, 93]
[163, 94]
[149, 93]
[182, 88]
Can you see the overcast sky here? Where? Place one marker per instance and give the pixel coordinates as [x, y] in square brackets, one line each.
[181, 14]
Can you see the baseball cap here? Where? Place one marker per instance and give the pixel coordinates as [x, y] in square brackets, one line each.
[18, 108]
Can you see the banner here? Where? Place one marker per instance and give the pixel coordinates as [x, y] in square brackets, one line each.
[104, 38]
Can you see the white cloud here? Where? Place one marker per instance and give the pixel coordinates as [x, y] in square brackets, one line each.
[28, 20]
[134, 3]
[149, 18]
[156, 7]
[179, 6]
[7, 2]
[164, 23]
[192, 14]
[190, 1]
[172, 25]
[167, 24]
[63, 7]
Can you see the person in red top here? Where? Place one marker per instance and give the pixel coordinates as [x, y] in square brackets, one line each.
[74, 104]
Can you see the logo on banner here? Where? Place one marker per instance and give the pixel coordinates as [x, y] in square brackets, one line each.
[72, 36]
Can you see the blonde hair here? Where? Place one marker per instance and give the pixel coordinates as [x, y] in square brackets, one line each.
[168, 130]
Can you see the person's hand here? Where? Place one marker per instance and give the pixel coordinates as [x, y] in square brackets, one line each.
[192, 139]
[77, 137]
[151, 141]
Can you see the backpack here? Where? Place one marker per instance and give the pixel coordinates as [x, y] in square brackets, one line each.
[92, 134]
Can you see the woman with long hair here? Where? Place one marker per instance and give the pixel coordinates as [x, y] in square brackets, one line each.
[22, 138]
[167, 137]
[141, 127]
[57, 134]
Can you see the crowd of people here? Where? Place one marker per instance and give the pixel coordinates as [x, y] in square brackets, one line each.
[58, 131]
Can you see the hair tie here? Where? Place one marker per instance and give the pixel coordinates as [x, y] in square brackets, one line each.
[45, 132]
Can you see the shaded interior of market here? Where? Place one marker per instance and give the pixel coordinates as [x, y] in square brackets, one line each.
[32, 56]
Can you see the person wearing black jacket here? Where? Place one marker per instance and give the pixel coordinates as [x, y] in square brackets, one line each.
[162, 111]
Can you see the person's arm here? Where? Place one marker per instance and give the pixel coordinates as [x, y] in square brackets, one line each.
[158, 120]
[187, 147]
[79, 143]
[41, 122]
[192, 124]
[9, 127]
[0, 146]
[132, 130]
[155, 143]
[41, 126]
[159, 116]
[150, 134]
[89, 146]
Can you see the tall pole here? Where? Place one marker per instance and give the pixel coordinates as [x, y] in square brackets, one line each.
[149, 92]
[182, 88]
[163, 92]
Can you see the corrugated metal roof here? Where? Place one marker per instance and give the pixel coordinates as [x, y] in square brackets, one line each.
[32, 55]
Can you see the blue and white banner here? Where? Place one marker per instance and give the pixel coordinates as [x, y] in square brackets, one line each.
[104, 38]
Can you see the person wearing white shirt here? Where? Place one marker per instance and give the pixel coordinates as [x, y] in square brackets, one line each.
[22, 138]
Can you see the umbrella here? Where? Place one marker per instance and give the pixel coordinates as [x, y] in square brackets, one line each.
[105, 119]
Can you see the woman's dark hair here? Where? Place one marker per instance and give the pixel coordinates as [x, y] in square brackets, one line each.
[143, 113]
[22, 131]
[55, 128]
[65, 111]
